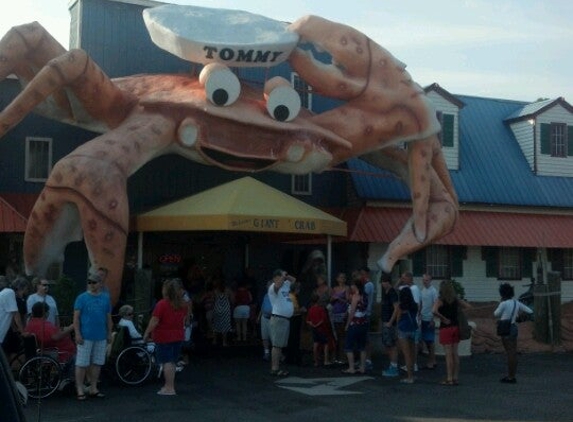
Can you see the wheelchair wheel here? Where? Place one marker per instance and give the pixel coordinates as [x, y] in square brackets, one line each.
[133, 365]
[41, 376]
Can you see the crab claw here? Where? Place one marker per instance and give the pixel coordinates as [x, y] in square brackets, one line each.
[383, 106]
[345, 78]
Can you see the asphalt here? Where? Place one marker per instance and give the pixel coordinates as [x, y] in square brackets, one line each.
[235, 385]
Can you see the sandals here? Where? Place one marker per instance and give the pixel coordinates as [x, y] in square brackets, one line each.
[279, 373]
[98, 395]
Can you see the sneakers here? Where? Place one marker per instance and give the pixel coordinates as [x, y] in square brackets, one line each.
[407, 381]
[391, 372]
[403, 368]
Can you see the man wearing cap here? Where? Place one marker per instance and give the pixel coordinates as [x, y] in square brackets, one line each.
[92, 326]
[282, 311]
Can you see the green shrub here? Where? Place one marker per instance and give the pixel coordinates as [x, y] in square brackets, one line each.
[64, 292]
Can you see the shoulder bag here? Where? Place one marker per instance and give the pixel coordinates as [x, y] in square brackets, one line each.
[504, 325]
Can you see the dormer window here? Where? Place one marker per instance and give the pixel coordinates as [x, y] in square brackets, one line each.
[446, 136]
[556, 139]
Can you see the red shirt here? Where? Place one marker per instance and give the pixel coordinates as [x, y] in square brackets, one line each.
[171, 326]
[44, 330]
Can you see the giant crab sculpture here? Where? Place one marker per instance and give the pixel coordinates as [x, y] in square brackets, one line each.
[144, 116]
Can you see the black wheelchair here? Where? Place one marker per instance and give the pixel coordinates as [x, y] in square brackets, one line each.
[42, 373]
[132, 362]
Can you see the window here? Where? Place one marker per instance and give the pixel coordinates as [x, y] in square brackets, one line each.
[509, 264]
[38, 159]
[303, 89]
[567, 273]
[446, 135]
[301, 184]
[438, 261]
[558, 140]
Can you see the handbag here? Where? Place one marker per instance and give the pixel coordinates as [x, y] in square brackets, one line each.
[463, 325]
[504, 325]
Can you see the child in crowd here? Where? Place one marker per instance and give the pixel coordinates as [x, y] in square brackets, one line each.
[317, 319]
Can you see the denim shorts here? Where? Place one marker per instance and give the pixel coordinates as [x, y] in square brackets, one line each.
[168, 352]
[408, 335]
[428, 331]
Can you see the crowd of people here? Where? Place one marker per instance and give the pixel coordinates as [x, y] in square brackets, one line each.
[333, 324]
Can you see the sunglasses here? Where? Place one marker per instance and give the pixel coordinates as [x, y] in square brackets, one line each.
[45, 285]
[92, 282]
[131, 314]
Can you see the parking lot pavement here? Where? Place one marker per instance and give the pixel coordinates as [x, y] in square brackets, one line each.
[223, 388]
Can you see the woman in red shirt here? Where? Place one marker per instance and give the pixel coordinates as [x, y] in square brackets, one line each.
[168, 327]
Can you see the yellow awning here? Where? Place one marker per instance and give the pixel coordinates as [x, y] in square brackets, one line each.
[241, 205]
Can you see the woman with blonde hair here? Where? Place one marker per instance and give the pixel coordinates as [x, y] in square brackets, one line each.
[167, 325]
[446, 309]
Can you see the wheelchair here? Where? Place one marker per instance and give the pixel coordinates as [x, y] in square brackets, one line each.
[42, 374]
[133, 362]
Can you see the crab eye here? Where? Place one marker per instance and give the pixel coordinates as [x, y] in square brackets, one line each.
[222, 86]
[283, 102]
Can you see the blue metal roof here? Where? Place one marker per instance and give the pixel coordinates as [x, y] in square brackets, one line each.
[492, 170]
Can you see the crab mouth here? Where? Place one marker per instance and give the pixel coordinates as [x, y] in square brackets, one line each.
[234, 162]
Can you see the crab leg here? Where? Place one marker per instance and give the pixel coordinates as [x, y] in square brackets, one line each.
[441, 208]
[29, 47]
[86, 195]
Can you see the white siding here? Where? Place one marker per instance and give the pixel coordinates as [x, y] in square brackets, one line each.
[478, 287]
[547, 165]
[451, 154]
[523, 132]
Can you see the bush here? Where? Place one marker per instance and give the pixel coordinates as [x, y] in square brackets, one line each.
[65, 292]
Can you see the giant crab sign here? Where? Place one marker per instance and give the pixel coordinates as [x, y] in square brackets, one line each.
[144, 116]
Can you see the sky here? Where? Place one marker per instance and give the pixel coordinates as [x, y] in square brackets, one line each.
[510, 49]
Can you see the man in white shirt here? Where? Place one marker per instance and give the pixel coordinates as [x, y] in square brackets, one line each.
[282, 311]
[9, 313]
[42, 287]
[429, 297]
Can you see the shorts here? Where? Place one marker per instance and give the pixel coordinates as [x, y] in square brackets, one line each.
[512, 332]
[91, 353]
[265, 328]
[319, 337]
[168, 352]
[389, 336]
[408, 335]
[242, 312]
[449, 335]
[279, 331]
[428, 332]
[356, 338]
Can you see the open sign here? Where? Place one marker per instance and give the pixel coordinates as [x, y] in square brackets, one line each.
[170, 258]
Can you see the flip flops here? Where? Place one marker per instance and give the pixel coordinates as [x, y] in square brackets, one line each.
[98, 395]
